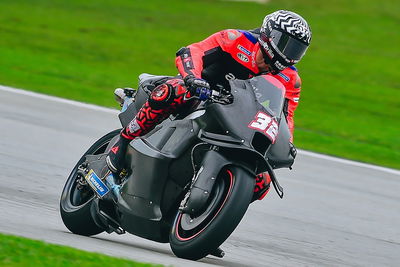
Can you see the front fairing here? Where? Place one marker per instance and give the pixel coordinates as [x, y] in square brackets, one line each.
[240, 119]
[238, 128]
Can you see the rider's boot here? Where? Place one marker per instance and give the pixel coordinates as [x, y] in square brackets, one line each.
[115, 157]
[263, 183]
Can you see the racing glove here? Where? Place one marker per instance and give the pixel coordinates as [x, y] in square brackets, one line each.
[198, 87]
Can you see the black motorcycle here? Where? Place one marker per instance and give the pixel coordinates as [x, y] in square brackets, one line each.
[191, 179]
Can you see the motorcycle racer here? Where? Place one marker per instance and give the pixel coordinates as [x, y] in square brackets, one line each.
[272, 49]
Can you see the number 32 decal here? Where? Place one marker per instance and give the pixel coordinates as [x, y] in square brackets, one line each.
[265, 124]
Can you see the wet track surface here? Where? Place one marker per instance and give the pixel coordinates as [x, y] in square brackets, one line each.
[333, 213]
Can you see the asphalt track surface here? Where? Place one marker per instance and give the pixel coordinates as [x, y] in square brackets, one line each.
[334, 213]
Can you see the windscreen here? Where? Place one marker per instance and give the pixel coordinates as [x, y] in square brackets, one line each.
[269, 93]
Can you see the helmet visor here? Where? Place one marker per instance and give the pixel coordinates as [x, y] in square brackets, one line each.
[286, 45]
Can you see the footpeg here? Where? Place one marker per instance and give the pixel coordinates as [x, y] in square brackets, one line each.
[218, 252]
[105, 219]
[113, 225]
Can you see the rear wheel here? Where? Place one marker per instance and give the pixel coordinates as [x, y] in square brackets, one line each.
[196, 237]
[76, 200]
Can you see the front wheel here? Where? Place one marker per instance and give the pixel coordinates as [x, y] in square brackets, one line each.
[194, 237]
[76, 200]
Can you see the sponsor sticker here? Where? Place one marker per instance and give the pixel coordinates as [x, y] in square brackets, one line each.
[243, 57]
[230, 77]
[267, 48]
[96, 184]
[279, 65]
[286, 78]
[244, 50]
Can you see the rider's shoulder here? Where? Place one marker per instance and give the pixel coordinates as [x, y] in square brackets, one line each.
[291, 71]
[291, 75]
[288, 75]
[230, 34]
[233, 37]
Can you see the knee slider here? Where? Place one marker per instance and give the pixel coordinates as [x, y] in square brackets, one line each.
[162, 96]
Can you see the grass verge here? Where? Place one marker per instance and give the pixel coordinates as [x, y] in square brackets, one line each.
[18, 251]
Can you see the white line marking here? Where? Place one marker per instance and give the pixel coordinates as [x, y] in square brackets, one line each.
[57, 99]
[109, 110]
[349, 162]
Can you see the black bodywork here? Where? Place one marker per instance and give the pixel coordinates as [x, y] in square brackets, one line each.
[163, 163]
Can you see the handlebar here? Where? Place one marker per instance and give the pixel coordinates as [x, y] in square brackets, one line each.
[215, 95]
[221, 96]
